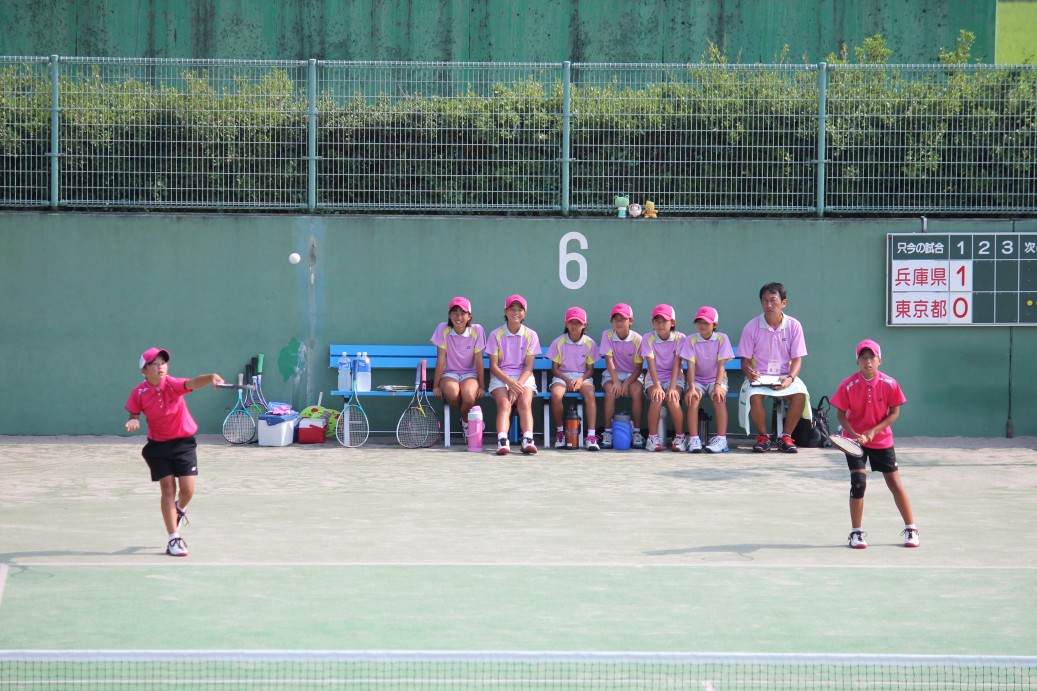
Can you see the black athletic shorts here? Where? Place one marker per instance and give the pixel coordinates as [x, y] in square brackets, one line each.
[882, 460]
[174, 457]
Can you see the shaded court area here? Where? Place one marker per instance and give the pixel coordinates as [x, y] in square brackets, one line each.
[380, 548]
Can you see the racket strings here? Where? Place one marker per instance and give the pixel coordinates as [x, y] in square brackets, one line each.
[353, 428]
[239, 427]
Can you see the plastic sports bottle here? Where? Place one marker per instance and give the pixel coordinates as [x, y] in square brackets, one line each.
[571, 422]
[475, 429]
[622, 432]
[363, 372]
[345, 373]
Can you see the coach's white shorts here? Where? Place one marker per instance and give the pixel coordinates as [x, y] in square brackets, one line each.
[496, 383]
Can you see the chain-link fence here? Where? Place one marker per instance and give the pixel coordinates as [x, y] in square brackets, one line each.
[517, 137]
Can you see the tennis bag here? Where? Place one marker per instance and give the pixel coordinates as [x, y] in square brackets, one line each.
[813, 434]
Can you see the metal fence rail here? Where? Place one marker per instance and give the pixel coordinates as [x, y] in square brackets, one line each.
[517, 137]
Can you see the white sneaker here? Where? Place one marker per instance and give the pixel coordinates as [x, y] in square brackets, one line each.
[654, 443]
[857, 540]
[910, 537]
[695, 445]
[606, 439]
[637, 441]
[592, 442]
[503, 447]
[559, 440]
[176, 548]
[679, 443]
[717, 445]
[528, 446]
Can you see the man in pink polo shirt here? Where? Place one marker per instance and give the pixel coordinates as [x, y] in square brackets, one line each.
[170, 451]
[772, 348]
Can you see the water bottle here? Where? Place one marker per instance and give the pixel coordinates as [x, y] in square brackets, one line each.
[622, 432]
[345, 373]
[572, 427]
[363, 372]
[475, 429]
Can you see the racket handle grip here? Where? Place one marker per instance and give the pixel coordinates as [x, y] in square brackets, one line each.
[241, 380]
[259, 366]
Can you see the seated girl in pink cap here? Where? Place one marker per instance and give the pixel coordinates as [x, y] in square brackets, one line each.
[572, 356]
[706, 354]
[460, 373]
[664, 383]
[622, 376]
[513, 348]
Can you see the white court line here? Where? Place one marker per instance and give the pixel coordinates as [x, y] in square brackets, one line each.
[3, 581]
[161, 561]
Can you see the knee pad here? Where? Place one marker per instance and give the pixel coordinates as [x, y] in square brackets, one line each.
[858, 483]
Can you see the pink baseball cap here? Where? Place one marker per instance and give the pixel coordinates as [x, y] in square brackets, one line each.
[577, 313]
[622, 309]
[515, 298]
[664, 311]
[871, 345]
[709, 314]
[461, 302]
[152, 353]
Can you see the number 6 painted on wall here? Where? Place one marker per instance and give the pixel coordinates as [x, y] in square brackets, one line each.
[565, 258]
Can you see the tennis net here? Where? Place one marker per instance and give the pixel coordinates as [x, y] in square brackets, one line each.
[29, 669]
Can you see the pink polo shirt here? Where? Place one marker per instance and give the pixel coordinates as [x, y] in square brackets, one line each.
[664, 353]
[512, 349]
[866, 403]
[772, 349]
[164, 408]
[573, 356]
[707, 354]
[461, 348]
[624, 352]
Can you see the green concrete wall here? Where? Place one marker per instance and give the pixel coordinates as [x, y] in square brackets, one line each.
[84, 293]
[491, 30]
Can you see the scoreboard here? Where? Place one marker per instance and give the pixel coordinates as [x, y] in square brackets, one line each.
[961, 279]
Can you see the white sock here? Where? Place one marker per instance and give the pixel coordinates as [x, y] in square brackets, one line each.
[912, 526]
[696, 437]
[173, 536]
[591, 431]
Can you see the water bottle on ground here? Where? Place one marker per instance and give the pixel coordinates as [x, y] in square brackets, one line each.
[475, 429]
[622, 432]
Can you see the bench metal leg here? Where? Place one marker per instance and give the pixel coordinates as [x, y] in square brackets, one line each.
[446, 424]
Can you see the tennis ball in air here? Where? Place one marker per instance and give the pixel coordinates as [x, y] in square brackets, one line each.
[294, 258]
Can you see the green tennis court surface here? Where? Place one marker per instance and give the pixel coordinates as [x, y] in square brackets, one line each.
[304, 548]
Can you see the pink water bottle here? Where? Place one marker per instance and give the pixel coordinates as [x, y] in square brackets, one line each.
[475, 429]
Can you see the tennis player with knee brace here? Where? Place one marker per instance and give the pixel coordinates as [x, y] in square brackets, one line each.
[868, 403]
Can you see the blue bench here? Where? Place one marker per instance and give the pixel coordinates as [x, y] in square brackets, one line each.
[408, 357]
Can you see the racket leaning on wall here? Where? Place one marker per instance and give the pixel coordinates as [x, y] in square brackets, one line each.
[412, 429]
[238, 426]
[434, 431]
[259, 383]
[352, 428]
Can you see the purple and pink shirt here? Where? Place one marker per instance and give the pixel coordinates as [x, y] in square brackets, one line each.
[867, 403]
[772, 349]
[573, 356]
[625, 352]
[708, 354]
[164, 408]
[461, 348]
[511, 349]
[664, 352]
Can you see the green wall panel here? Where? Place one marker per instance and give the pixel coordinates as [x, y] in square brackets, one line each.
[490, 30]
[84, 294]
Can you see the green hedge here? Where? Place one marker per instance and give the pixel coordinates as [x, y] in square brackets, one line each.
[705, 137]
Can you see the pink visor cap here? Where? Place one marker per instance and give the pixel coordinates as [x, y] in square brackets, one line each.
[623, 310]
[152, 353]
[709, 314]
[461, 302]
[664, 311]
[515, 298]
[576, 313]
[868, 344]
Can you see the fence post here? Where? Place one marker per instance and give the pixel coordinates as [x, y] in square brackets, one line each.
[566, 119]
[311, 136]
[54, 109]
[822, 153]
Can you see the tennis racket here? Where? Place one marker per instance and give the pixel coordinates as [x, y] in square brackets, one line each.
[253, 406]
[352, 429]
[412, 428]
[238, 426]
[259, 383]
[848, 446]
[433, 430]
